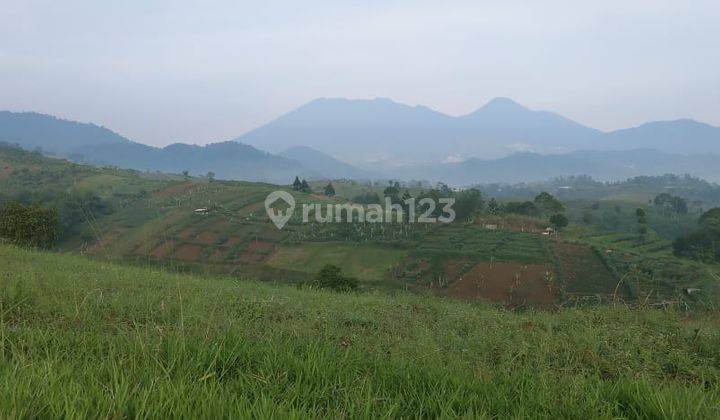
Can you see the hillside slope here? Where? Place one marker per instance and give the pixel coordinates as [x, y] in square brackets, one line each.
[325, 164]
[32, 130]
[89, 143]
[79, 338]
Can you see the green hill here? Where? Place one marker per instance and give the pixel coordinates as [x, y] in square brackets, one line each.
[151, 219]
[82, 338]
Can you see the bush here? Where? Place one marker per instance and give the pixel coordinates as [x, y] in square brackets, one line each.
[31, 226]
[703, 245]
[559, 221]
[331, 277]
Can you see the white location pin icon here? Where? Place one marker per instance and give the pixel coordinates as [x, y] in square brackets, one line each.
[279, 217]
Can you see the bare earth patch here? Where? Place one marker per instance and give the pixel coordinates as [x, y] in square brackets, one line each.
[511, 284]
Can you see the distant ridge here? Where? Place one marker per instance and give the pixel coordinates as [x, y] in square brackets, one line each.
[382, 133]
[32, 130]
[501, 141]
[97, 145]
[325, 164]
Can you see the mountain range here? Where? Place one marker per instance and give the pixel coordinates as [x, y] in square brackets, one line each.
[383, 134]
[96, 145]
[341, 138]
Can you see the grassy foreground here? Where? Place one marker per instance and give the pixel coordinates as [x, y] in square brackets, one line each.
[81, 338]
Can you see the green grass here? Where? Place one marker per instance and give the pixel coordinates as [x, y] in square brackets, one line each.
[81, 338]
[364, 261]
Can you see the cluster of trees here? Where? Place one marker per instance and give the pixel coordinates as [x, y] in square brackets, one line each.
[467, 202]
[669, 205]
[703, 244]
[31, 226]
[543, 205]
[470, 202]
[301, 186]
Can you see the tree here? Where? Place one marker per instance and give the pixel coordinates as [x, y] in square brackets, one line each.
[467, 203]
[393, 191]
[642, 224]
[704, 244]
[526, 208]
[330, 277]
[297, 185]
[186, 174]
[211, 176]
[305, 187]
[329, 190]
[30, 226]
[548, 204]
[669, 204]
[710, 219]
[559, 221]
[493, 207]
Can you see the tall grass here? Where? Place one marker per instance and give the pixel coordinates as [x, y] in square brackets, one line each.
[81, 338]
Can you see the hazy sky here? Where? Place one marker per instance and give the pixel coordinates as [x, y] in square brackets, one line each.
[201, 71]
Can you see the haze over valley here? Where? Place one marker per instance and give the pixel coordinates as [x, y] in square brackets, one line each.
[502, 141]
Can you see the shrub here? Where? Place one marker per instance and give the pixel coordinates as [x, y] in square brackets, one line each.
[31, 226]
[330, 277]
[559, 221]
[703, 245]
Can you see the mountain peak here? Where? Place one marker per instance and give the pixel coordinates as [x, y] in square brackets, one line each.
[502, 103]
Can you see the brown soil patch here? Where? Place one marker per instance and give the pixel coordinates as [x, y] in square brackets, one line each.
[511, 284]
[188, 252]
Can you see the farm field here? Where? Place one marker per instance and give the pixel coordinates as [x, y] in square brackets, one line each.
[511, 284]
[584, 273]
[651, 271]
[80, 337]
[367, 262]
